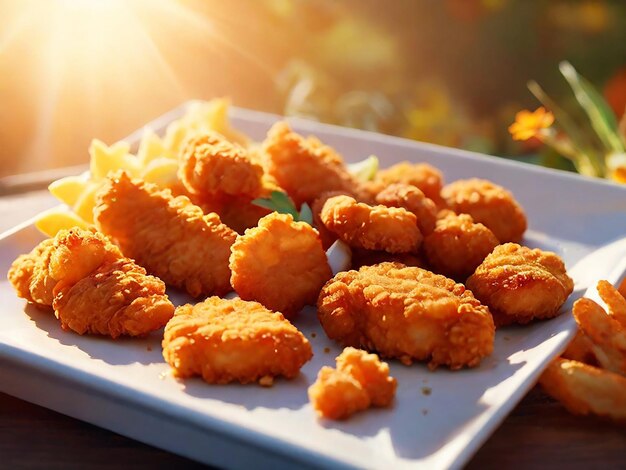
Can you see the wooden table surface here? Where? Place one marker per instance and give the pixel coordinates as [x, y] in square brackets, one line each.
[539, 433]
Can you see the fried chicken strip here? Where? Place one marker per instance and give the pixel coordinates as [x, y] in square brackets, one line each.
[406, 313]
[305, 167]
[169, 236]
[92, 287]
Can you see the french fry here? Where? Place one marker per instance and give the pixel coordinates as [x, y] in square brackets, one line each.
[581, 349]
[585, 389]
[151, 147]
[161, 171]
[86, 202]
[606, 334]
[55, 220]
[614, 301]
[68, 189]
[105, 159]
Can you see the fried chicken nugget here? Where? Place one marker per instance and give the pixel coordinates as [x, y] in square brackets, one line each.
[233, 340]
[280, 263]
[304, 167]
[520, 285]
[211, 165]
[412, 199]
[406, 313]
[327, 237]
[423, 176]
[360, 380]
[29, 276]
[457, 246]
[392, 229]
[585, 389]
[170, 237]
[96, 290]
[488, 204]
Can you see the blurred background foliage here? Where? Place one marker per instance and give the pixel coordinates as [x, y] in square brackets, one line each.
[451, 72]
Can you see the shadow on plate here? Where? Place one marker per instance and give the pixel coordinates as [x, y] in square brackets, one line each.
[121, 351]
[292, 396]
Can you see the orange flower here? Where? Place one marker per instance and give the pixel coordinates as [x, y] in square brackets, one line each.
[528, 124]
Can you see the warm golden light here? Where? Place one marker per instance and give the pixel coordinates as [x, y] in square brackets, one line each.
[77, 69]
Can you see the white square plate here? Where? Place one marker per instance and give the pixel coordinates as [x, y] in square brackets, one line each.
[125, 386]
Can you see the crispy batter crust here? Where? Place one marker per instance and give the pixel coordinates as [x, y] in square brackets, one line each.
[392, 229]
[585, 389]
[488, 204]
[360, 380]
[457, 246]
[170, 237]
[233, 340]
[29, 275]
[305, 167]
[407, 313]
[280, 263]
[92, 287]
[212, 165]
[412, 199]
[520, 285]
[423, 176]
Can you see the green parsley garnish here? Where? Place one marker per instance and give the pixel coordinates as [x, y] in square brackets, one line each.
[281, 203]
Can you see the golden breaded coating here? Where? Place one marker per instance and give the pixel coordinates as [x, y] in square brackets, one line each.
[361, 257]
[116, 299]
[392, 229]
[210, 164]
[327, 237]
[170, 237]
[94, 289]
[412, 199]
[29, 275]
[457, 246]
[361, 380]
[586, 390]
[488, 204]
[304, 167]
[423, 176]
[407, 313]
[520, 285]
[236, 212]
[233, 340]
[280, 263]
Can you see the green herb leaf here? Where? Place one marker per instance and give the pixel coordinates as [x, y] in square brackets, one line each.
[365, 170]
[280, 202]
[600, 114]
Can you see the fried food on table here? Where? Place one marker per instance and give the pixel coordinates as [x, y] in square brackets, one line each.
[584, 389]
[412, 199]
[211, 165]
[606, 332]
[457, 246]
[488, 204]
[361, 257]
[580, 349]
[520, 284]
[91, 286]
[233, 340]
[305, 167]
[280, 263]
[169, 236]
[392, 229]
[407, 313]
[423, 176]
[360, 380]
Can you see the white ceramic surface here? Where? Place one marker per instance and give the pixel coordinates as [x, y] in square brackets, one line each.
[125, 386]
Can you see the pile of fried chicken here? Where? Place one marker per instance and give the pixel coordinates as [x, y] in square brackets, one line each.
[435, 267]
